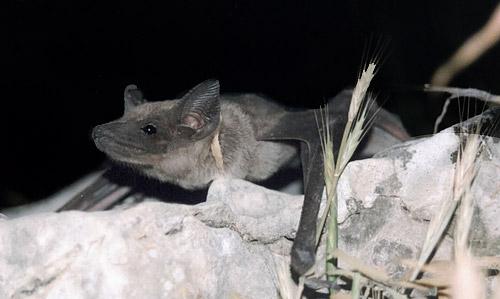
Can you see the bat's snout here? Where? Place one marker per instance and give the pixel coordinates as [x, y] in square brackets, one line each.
[99, 137]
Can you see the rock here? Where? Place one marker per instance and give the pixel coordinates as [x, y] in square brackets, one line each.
[224, 248]
[386, 203]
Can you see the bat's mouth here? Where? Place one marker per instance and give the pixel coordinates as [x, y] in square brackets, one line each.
[106, 143]
[115, 147]
[124, 155]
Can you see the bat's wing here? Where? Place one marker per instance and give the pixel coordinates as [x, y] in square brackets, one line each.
[101, 194]
[118, 183]
[297, 126]
[302, 126]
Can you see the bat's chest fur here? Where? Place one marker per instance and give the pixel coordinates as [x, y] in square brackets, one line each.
[195, 166]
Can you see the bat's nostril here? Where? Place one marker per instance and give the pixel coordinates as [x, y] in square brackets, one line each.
[96, 132]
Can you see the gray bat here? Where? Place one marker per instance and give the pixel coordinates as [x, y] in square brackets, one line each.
[204, 135]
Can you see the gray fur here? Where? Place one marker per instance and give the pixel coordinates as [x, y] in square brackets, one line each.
[185, 159]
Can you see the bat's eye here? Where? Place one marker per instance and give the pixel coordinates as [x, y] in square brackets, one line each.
[149, 129]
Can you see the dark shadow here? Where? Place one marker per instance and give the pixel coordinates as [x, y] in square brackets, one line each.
[149, 187]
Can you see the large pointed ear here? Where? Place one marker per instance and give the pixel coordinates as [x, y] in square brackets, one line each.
[200, 110]
[132, 96]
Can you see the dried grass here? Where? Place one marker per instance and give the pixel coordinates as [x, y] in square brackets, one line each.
[357, 124]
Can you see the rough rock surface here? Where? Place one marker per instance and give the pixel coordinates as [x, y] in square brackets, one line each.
[154, 250]
[386, 202]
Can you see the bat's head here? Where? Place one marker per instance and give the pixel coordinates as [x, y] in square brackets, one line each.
[151, 132]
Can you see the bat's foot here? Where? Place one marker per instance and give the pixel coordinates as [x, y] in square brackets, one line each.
[302, 259]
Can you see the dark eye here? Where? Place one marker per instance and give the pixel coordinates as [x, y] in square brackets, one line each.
[149, 129]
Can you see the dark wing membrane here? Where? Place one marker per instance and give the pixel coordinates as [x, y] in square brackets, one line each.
[303, 127]
[101, 194]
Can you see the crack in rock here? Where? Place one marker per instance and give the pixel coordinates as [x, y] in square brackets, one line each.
[33, 286]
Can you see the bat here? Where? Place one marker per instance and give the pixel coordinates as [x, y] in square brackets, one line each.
[205, 135]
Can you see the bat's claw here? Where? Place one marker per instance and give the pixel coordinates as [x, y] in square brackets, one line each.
[302, 259]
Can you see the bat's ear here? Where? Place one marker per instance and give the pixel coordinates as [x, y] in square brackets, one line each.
[200, 114]
[132, 96]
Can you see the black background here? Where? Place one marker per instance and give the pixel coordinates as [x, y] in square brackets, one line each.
[66, 64]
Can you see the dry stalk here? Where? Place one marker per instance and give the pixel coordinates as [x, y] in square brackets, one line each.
[354, 130]
[470, 51]
[457, 93]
